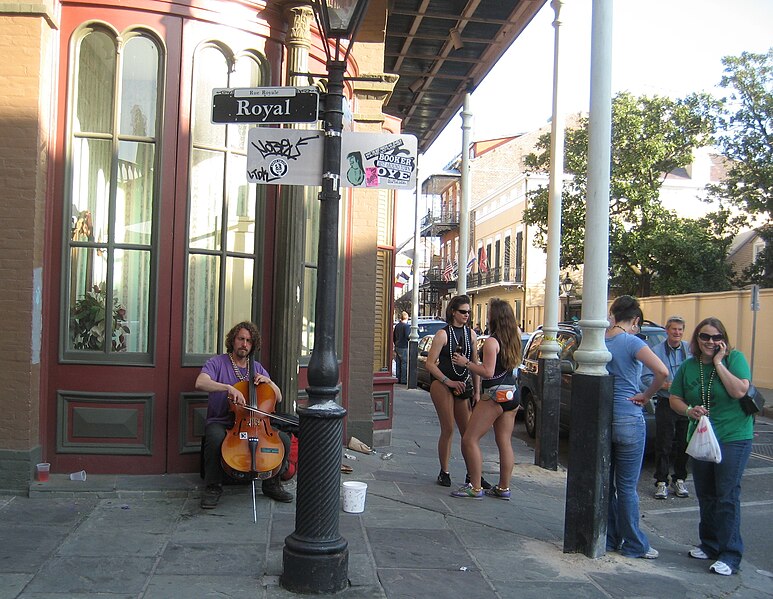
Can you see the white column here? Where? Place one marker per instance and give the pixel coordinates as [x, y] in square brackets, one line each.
[464, 210]
[549, 348]
[592, 355]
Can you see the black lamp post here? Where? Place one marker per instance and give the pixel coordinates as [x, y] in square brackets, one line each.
[567, 286]
[316, 556]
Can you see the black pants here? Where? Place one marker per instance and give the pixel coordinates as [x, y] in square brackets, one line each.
[214, 434]
[670, 442]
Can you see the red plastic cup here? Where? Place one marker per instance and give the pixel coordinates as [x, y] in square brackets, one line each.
[41, 472]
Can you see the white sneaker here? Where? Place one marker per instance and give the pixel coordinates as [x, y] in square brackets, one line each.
[651, 554]
[661, 491]
[721, 568]
[680, 489]
[698, 553]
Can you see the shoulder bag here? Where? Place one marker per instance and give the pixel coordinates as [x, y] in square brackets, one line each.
[752, 402]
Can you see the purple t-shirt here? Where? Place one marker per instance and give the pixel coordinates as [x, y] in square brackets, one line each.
[220, 370]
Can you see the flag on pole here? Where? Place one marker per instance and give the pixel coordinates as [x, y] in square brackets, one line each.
[399, 284]
[448, 270]
[455, 271]
[404, 276]
[483, 266]
[470, 261]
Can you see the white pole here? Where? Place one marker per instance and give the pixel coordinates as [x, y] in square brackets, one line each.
[549, 347]
[464, 211]
[592, 355]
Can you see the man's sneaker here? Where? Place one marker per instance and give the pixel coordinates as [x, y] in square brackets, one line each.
[698, 553]
[468, 491]
[661, 491]
[444, 479]
[484, 484]
[680, 489]
[272, 488]
[721, 568]
[651, 554]
[495, 491]
[211, 496]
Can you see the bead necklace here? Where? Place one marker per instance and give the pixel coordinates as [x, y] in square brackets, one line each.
[456, 344]
[706, 391]
[617, 326]
[237, 370]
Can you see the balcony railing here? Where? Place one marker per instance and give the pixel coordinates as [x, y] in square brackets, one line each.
[497, 275]
[435, 224]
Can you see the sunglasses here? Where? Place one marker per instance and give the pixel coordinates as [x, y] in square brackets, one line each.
[464, 311]
[707, 337]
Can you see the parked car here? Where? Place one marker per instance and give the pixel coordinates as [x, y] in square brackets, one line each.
[569, 337]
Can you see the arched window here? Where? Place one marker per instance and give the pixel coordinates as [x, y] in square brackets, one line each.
[111, 189]
[222, 268]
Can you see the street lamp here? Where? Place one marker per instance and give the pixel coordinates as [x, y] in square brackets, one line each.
[567, 286]
[316, 556]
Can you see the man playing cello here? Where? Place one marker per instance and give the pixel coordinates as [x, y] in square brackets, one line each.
[218, 377]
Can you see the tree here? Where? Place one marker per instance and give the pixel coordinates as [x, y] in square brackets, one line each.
[746, 139]
[652, 250]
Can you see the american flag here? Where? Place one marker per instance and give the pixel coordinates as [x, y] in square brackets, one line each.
[448, 270]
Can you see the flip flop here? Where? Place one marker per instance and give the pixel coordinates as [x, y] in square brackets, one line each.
[346, 469]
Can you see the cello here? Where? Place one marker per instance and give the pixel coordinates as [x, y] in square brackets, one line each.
[252, 449]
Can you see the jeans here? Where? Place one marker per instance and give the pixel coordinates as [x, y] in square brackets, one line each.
[718, 487]
[670, 442]
[402, 365]
[214, 434]
[623, 533]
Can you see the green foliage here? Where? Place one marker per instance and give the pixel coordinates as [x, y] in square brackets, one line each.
[747, 141]
[652, 250]
[87, 322]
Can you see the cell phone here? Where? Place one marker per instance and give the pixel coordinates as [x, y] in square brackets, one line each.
[717, 349]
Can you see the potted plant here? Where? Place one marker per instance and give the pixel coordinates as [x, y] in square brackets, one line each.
[87, 322]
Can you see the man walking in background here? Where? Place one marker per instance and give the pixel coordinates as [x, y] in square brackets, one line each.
[670, 427]
[400, 338]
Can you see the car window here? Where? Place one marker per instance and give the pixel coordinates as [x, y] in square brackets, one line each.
[568, 342]
[653, 337]
[533, 352]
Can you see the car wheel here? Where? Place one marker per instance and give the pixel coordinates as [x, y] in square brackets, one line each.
[530, 415]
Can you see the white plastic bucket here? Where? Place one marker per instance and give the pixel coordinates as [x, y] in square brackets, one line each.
[354, 496]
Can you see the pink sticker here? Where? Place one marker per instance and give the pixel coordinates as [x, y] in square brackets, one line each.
[371, 176]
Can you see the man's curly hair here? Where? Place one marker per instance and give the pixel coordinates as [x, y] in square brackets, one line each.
[254, 333]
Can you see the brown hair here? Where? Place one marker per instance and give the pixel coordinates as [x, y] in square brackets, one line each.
[695, 347]
[453, 306]
[501, 320]
[626, 307]
[254, 334]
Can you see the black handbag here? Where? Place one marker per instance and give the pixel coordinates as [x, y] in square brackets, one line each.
[752, 402]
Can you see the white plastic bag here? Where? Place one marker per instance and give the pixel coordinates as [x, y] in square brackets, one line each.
[704, 445]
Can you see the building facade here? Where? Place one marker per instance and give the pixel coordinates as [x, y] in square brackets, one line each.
[137, 243]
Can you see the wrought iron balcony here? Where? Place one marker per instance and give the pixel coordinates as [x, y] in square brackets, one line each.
[439, 223]
[497, 275]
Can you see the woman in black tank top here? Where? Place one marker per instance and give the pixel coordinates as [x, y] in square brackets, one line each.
[501, 353]
[448, 379]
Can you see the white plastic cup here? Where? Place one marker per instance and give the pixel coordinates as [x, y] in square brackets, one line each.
[78, 475]
[354, 496]
[41, 471]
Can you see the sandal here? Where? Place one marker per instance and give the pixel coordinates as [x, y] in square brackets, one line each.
[346, 469]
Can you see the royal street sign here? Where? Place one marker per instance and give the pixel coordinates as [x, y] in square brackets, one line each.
[294, 157]
[265, 105]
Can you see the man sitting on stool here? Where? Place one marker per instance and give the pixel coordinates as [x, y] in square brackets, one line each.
[218, 377]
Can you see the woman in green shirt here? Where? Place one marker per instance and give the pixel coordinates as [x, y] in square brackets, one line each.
[711, 383]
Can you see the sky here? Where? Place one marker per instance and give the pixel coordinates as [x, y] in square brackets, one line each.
[660, 47]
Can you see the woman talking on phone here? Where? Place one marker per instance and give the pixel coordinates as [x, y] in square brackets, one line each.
[450, 390]
[710, 384]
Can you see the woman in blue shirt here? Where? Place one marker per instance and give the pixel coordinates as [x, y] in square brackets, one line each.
[628, 428]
